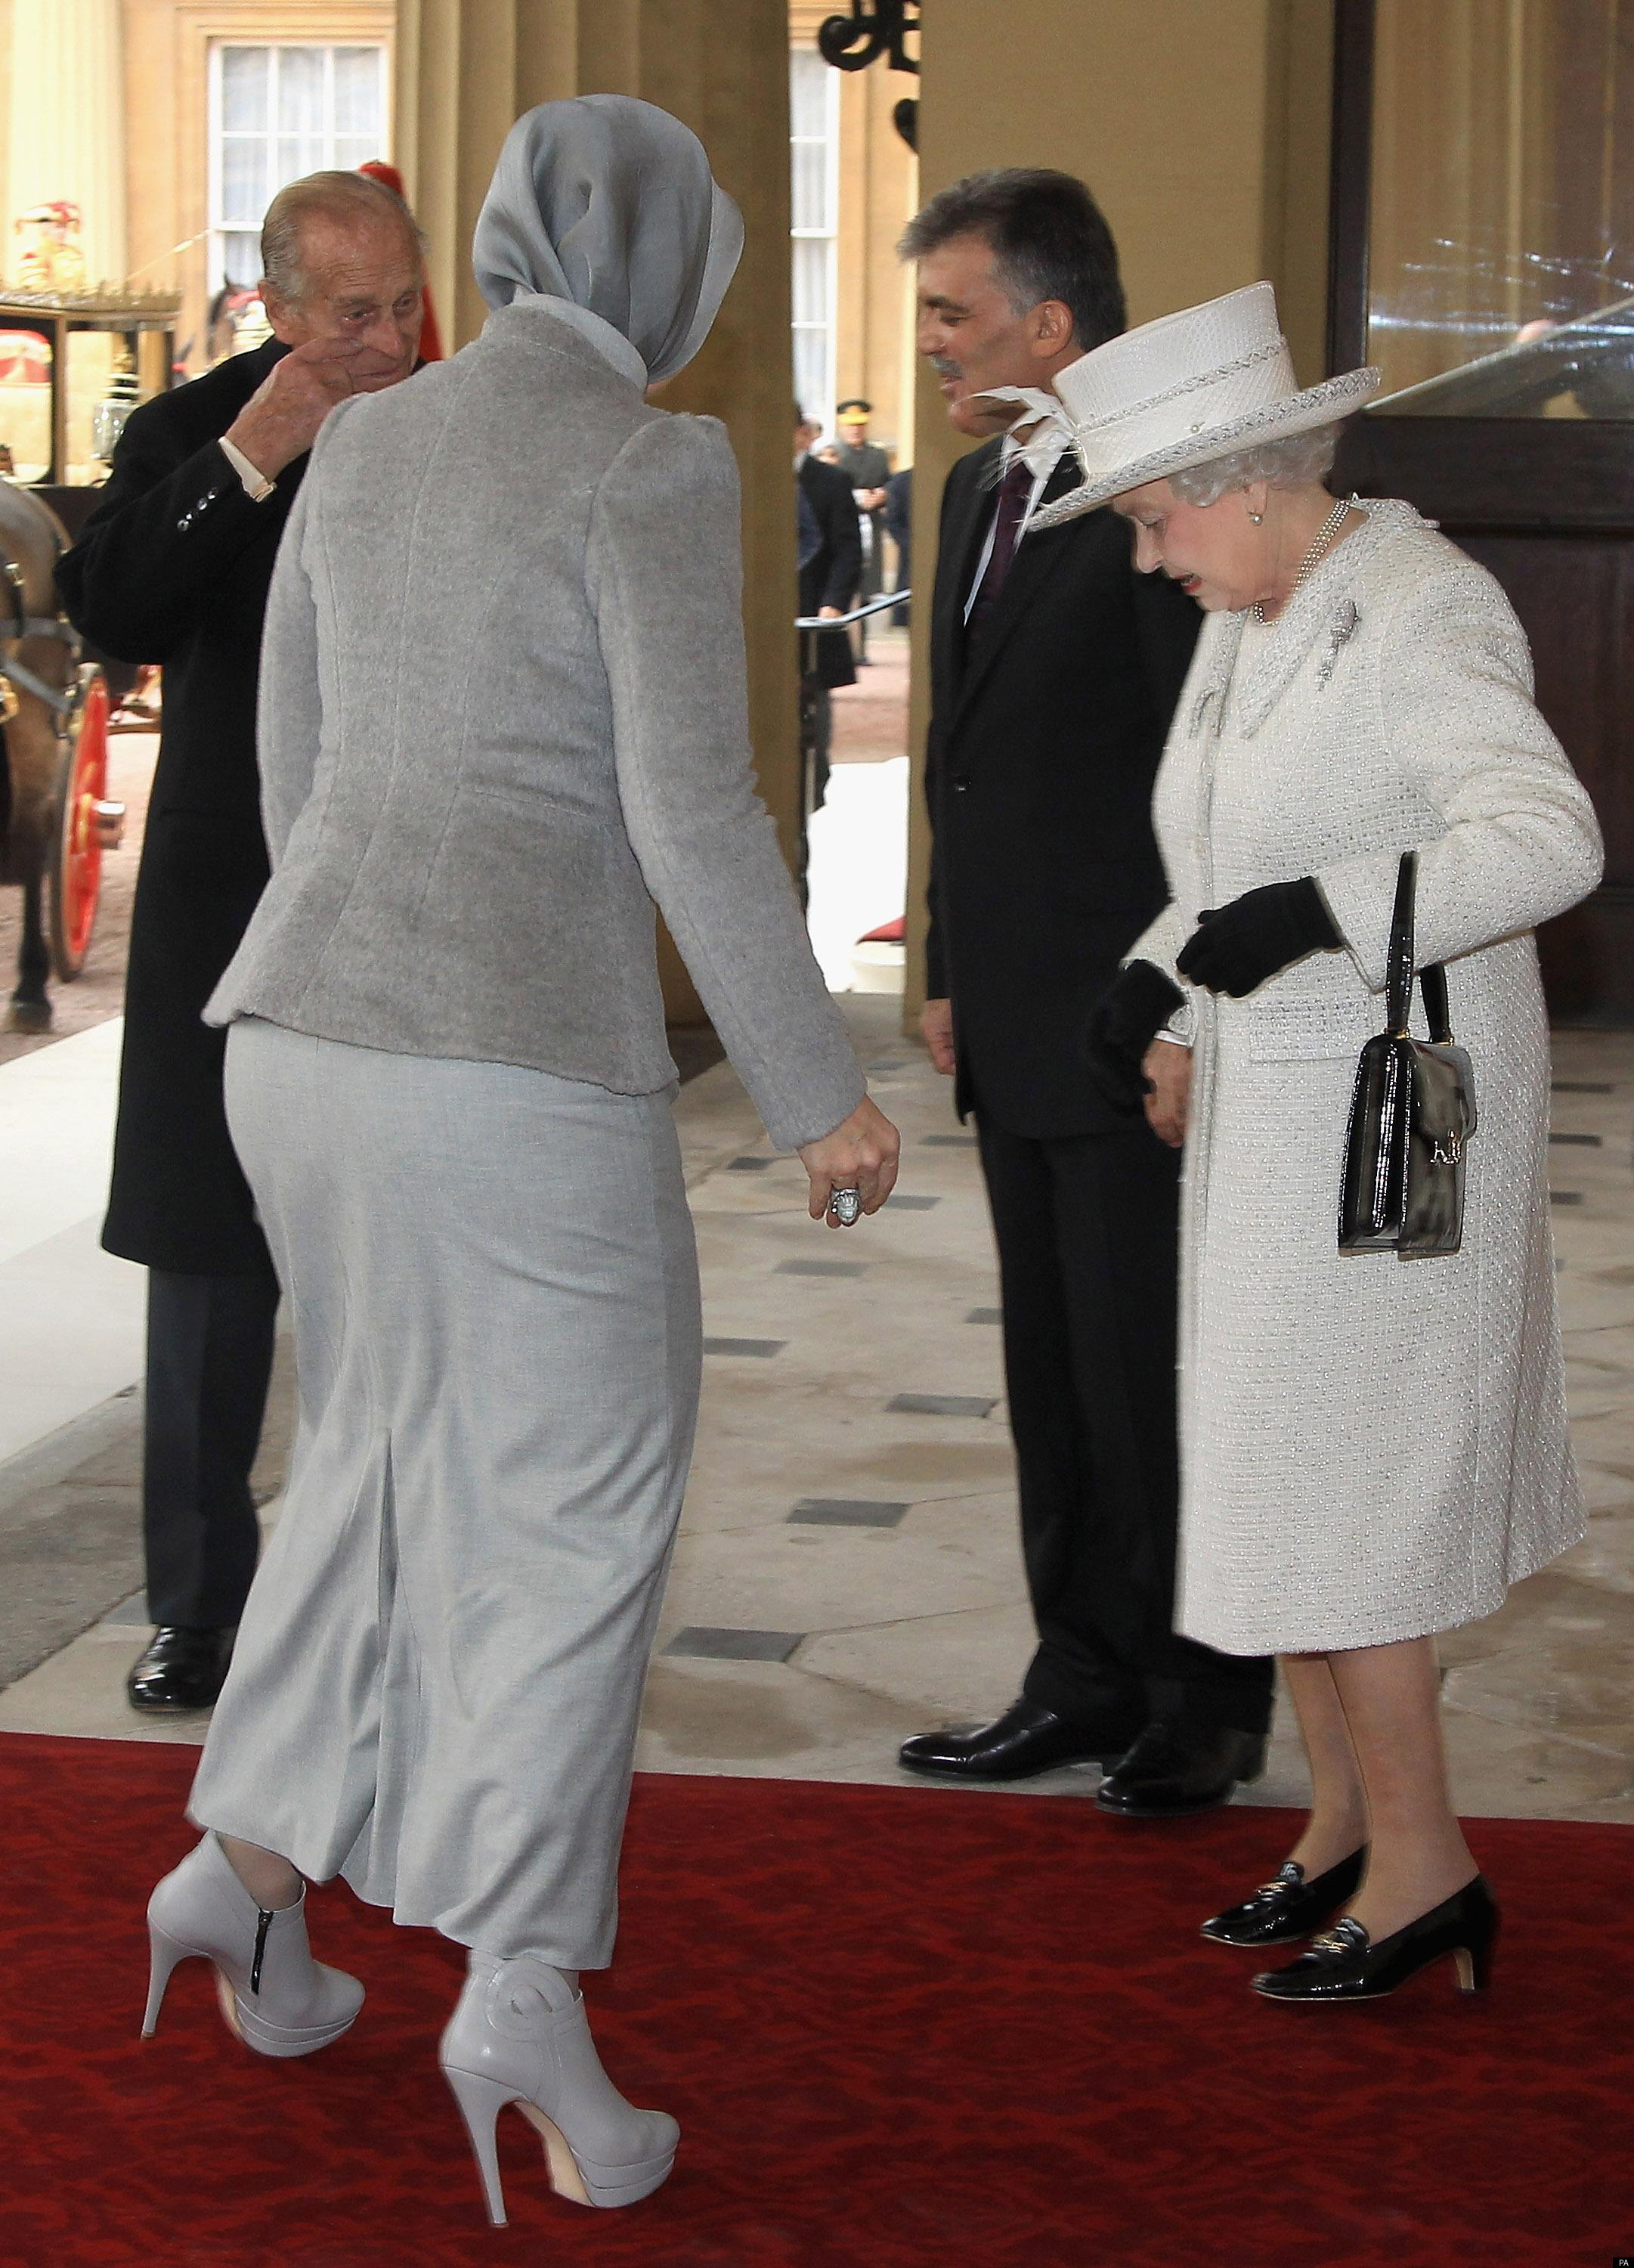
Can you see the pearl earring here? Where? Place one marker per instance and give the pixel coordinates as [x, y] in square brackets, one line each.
[1256, 517]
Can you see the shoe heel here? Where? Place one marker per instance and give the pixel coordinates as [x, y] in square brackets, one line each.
[481, 2102]
[163, 1952]
[1473, 1964]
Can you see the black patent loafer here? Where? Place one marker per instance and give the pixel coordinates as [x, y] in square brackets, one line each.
[1344, 1963]
[1289, 1906]
[182, 1669]
[1175, 1770]
[1026, 1739]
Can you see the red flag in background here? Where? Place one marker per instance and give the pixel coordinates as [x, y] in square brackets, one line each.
[389, 178]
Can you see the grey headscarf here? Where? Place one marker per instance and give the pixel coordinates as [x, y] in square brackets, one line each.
[609, 203]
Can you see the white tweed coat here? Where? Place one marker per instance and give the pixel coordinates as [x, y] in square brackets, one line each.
[1373, 1449]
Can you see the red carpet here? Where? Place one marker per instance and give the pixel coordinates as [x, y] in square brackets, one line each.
[900, 2029]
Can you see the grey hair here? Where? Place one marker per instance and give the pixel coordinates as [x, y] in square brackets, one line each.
[1288, 463]
[335, 196]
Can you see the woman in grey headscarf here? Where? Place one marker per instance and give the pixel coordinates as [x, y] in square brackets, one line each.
[502, 713]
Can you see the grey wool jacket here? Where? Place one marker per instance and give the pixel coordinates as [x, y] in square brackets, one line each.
[502, 713]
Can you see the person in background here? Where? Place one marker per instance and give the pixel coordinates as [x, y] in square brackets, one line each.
[899, 525]
[1374, 1451]
[827, 580]
[173, 567]
[868, 469]
[1054, 671]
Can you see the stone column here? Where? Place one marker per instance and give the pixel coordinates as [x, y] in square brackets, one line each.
[65, 127]
[465, 69]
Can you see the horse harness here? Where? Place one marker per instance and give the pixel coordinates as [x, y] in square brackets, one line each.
[15, 675]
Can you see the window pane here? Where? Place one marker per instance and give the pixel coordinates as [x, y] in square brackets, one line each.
[298, 154]
[240, 260]
[1501, 249]
[811, 372]
[244, 74]
[358, 91]
[809, 185]
[244, 190]
[354, 149]
[300, 91]
[811, 280]
[808, 92]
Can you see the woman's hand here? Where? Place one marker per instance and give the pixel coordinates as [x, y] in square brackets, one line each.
[1168, 1068]
[1239, 947]
[860, 1155]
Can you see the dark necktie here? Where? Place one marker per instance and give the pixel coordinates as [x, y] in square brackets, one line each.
[1015, 493]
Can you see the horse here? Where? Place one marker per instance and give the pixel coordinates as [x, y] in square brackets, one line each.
[54, 822]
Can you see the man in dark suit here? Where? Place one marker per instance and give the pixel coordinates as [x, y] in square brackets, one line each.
[1055, 670]
[868, 469]
[827, 579]
[173, 567]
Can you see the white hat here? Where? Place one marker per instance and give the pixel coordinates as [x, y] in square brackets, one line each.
[1184, 390]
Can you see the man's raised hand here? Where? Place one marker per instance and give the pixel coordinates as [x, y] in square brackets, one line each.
[281, 419]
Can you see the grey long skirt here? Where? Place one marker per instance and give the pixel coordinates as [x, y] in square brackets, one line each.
[494, 1290]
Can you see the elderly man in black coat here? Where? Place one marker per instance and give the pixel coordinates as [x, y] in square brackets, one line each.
[173, 567]
[1055, 671]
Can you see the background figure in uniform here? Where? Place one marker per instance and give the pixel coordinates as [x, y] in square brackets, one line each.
[868, 469]
[1055, 670]
[172, 567]
[449, 1082]
[828, 578]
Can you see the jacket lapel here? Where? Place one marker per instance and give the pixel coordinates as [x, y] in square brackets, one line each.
[961, 535]
[1035, 555]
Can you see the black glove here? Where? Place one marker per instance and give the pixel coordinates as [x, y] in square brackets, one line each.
[1237, 948]
[1122, 1024]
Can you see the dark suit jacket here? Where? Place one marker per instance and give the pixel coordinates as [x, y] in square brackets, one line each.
[1044, 739]
[829, 577]
[173, 567]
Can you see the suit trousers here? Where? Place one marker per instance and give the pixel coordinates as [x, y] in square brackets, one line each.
[494, 1292]
[1087, 1229]
[210, 1363]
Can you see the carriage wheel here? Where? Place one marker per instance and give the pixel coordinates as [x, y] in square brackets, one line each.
[87, 824]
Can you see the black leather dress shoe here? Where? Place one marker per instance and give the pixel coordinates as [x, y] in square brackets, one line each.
[1289, 1906]
[1173, 1770]
[1345, 1964]
[1026, 1739]
[182, 1669]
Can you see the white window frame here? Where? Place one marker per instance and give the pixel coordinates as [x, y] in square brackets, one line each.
[218, 228]
[821, 412]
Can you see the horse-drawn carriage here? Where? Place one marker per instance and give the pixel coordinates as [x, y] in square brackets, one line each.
[59, 426]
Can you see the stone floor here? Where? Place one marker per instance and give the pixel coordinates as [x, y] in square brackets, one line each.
[847, 1572]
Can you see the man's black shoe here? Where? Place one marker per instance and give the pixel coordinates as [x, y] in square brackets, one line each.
[1026, 1739]
[182, 1669]
[1173, 1770]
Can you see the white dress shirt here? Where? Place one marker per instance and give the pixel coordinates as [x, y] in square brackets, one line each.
[1046, 443]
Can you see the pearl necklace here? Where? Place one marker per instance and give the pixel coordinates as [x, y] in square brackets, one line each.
[1324, 537]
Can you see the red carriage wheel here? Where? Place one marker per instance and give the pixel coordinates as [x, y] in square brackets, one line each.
[87, 824]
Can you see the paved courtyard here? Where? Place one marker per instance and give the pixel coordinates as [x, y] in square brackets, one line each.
[848, 1571]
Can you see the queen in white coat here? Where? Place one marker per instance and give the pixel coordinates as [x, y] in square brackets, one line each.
[1373, 1451]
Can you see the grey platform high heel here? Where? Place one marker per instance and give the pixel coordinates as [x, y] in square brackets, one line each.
[519, 2033]
[273, 1995]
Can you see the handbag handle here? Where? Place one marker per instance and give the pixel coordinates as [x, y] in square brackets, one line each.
[1432, 980]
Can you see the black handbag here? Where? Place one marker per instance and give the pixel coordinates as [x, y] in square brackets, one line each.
[1413, 1114]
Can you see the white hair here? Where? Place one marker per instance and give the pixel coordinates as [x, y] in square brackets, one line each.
[1288, 463]
[333, 196]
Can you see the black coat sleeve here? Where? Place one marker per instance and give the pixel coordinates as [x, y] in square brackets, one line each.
[173, 518]
[936, 977]
[837, 511]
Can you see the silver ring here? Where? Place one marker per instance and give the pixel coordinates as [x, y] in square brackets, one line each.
[846, 1206]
